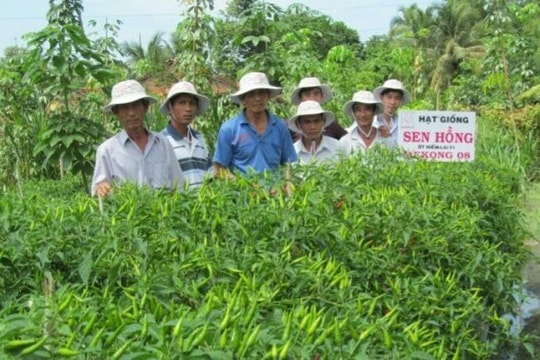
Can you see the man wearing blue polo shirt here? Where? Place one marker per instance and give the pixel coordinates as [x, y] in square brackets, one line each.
[255, 139]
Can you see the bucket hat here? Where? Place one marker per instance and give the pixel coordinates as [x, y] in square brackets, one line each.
[311, 82]
[126, 92]
[254, 81]
[393, 84]
[310, 107]
[184, 87]
[362, 97]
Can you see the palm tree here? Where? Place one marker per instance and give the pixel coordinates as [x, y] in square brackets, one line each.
[153, 59]
[457, 35]
[443, 36]
[413, 28]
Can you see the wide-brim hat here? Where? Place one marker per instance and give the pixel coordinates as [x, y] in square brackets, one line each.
[393, 84]
[362, 97]
[311, 82]
[310, 107]
[254, 81]
[126, 92]
[184, 87]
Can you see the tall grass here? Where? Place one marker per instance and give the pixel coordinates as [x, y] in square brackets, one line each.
[497, 143]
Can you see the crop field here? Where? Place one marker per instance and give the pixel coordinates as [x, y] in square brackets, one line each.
[374, 258]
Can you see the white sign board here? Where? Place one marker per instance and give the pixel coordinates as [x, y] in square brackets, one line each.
[438, 135]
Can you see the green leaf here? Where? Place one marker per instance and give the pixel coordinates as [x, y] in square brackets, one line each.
[13, 325]
[85, 267]
[214, 355]
[67, 161]
[139, 356]
[422, 356]
[248, 39]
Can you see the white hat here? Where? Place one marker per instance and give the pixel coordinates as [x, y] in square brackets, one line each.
[310, 107]
[254, 81]
[311, 82]
[393, 84]
[362, 97]
[184, 87]
[126, 92]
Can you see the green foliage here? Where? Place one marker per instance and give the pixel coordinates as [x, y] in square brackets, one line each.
[326, 33]
[279, 42]
[71, 141]
[209, 123]
[412, 259]
[51, 74]
[509, 64]
[193, 41]
[496, 138]
[153, 61]
[15, 97]
[17, 158]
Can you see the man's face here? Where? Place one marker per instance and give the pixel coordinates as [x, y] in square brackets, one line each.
[184, 108]
[363, 114]
[391, 100]
[311, 125]
[314, 93]
[256, 100]
[131, 115]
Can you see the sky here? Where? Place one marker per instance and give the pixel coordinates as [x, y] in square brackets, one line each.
[141, 19]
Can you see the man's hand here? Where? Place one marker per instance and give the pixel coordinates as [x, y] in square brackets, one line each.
[103, 188]
[384, 131]
[221, 172]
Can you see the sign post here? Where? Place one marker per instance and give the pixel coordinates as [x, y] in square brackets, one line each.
[438, 135]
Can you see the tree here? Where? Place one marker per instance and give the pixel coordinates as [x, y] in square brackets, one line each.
[326, 33]
[150, 62]
[238, 8]
[457, 35]
[193, 40]
[414, 28]
[512, 50]
[252, 35]
[61, 63]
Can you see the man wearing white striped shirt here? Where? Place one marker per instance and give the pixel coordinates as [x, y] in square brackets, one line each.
[182, 105]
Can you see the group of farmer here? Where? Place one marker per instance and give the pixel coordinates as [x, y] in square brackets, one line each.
[255, 140]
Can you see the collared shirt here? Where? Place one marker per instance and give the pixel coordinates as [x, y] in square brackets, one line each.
[193, 158]
[393, 138]
[119, 160]
[352, 142]
[239, 147]
[329, 149]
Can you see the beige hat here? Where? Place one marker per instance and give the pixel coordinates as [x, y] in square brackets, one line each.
[362, 97]
[126, 92]
[311, 82]
[254, 81]
[310, 107]
[184, 87]
[393, 84]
